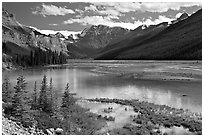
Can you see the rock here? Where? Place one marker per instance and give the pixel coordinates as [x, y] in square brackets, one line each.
[50, 131]
[59, 131]
[138, 121]
[99, 116]
[107, 110]
[133, 116]
[109, 118]
[184, 95]
[78, 129]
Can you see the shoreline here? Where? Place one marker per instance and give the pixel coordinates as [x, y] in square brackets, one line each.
[138, 76]
[163, 70]
[156, 116]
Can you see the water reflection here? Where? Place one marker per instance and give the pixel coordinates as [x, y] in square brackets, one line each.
[91, 85]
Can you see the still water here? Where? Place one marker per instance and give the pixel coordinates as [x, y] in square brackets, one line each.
[87, 84]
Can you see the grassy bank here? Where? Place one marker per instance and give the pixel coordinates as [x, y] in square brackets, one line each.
[40, 110]
[151, 117]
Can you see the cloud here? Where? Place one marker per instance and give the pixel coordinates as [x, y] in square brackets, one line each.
[53, 24]
[100, 20]
[110, 11]
[106, 11]
[124, 7]
[91, 7]
[64, 32]
[163, 7]
[79, 11]
[113, 17]
[116, 9]
[47, 10]
[160, 19]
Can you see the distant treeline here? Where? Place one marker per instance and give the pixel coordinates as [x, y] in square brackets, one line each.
[36, 57]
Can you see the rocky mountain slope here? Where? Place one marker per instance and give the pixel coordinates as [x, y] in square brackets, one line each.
[20, 39]
[177, 41]
[99, 36]
[93, 39]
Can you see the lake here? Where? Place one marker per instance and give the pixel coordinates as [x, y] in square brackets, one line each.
[88, 84]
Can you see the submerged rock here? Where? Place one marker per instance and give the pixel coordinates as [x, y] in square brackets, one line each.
[109, 118]
[59, 131]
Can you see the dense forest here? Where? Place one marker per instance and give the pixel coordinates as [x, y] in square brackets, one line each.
[37, 57]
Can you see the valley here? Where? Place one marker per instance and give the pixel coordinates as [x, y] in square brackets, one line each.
[178, 40]
[102, 72]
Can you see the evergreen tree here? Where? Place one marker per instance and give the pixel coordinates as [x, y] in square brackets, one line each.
[44, 104]
[6, 92]
[31, 58]
[43, 96]
[34, 102]
[67, 99]
[51, 100]
[51, 86]
[20, 100]
[6, 97]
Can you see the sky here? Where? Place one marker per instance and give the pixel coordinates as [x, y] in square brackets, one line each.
[73, 17]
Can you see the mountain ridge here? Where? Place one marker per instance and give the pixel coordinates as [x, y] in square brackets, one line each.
[104, 42]
[188, 31]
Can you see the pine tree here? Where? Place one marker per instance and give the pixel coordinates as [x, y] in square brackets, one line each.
[67, 99]
[6, 92]
[43, 96]
[6, 97]
[44, 104]
[51, 101]
[51, 87]
[34, 102]
[20, 100]
[31, 58]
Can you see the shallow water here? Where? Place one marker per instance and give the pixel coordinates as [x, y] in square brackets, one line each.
[118, 112]
[175, 131]
[88, 84]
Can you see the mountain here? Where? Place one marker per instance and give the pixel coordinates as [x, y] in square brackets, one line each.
[25, 46]
[16, 35]
[99, 36]
[177, 41]
[136, 33]
[93, 39]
